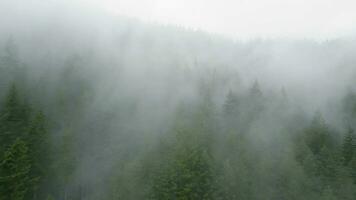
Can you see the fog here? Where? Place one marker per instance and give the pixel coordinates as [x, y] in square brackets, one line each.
[125, 90]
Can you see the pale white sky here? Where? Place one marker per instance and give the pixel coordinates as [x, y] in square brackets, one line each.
[247, 18]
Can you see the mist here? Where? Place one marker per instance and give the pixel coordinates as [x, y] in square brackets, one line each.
[97, 102]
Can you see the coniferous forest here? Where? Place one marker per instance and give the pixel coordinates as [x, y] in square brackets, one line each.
[95, 108]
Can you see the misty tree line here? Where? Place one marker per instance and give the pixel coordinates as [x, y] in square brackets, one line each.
[206, 150]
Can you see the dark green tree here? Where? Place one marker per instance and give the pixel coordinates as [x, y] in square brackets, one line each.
[64, 164]
[39, 152]
[348, 147]
[15, 172]
[188, 173]
[188, 176]
[353, 169]
[318, 135]
[13, 118]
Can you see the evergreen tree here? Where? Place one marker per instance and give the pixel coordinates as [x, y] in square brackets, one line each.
[64, 164]
[317, 135]
[189, 176]
[13, 118]
[231, 105]
[254, 103]
[189, 173]
[231, 112]
[348, 147]
[353, 169]
[39, 151]
[15, 172]
[349, 105]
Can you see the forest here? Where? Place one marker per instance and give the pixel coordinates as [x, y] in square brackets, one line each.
[117, 109]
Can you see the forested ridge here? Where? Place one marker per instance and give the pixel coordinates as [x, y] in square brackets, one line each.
[101, 107]
[208, 149]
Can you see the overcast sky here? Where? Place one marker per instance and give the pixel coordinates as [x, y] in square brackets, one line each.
[318, 19]
[247, 18]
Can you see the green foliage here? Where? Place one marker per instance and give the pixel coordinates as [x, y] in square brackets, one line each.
[13, 118]
[188, 176]
[231, 111]
[26, 147]
[353, 169]
[349, 147]
[328, 194]
[49, 197]
[188, 172]
[64, 164]
[317, 135]
[204, 151]
[39, 151]
[15, 172]
[349, 104]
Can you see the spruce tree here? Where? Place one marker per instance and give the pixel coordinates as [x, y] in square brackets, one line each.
[254, 104]
[348, 147]
[189, 173]
[188, 176]
[15, 172]
[231, 105]
[39, 151]
[13, 119]
[317, 135]
[353, 169]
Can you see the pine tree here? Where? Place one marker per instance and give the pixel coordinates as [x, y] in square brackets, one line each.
[350, 104]
[348, 147]
[254, 102]
[353, 169]
[13, 119]
[189, 173]
[349, 153]
[15, 172]
[231, 112]
[317, 135]
[189, 176]
[39, 150]
[231, 105]
[64, 164]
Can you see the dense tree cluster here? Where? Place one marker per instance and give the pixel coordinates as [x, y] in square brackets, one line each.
[25, 161]
[56, 143]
